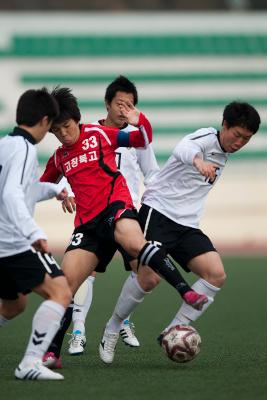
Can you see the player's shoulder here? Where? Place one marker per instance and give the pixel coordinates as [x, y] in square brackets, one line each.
[96, 127]
[202, 134]
[128, 128]
[12, 146]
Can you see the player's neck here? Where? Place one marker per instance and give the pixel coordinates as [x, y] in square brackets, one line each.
[109, 122]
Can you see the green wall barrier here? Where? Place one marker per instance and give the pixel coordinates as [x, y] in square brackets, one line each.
[149, 77]
[177, 103]
[130, 45]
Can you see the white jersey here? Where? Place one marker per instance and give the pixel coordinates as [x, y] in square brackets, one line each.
[19, 191]
[179, 192]
[131, 161]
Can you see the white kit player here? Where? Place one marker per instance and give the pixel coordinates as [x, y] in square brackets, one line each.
[25, 264]
[173, 203]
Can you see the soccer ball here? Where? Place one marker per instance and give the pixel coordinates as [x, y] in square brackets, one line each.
[181, 343]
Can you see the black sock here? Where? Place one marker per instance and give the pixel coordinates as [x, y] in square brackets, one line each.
[57, 342]
[157, 259]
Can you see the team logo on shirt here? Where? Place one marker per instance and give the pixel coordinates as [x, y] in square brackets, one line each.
[82, 158]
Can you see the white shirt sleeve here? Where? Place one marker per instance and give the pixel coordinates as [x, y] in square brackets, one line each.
[14, 200]
[47, 190]
[147, 163]
[186, 150]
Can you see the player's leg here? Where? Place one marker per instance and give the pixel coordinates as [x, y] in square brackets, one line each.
[127, 331]
[77, 265]
[39, 272]
[132, 294]
[81, 304]
[209, 268]
[11, 308]
[129, 235]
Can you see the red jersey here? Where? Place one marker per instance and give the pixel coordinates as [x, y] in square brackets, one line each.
[90, 167]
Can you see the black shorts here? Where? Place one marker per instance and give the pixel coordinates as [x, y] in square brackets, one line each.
[24, 271]
[97, 235]
[182, 242]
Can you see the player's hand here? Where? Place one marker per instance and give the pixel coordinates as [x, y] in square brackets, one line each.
[69, 204]
[62, 195]
[206, 169]
[129, 111]
[40, 245]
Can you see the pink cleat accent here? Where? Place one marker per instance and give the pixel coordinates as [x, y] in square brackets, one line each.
[51, 361]
[195, 299]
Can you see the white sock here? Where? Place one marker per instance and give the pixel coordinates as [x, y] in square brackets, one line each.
[186, 314]
[131, 295]
[3, 321]
[132, 275]
[82, 303]
[45, 324]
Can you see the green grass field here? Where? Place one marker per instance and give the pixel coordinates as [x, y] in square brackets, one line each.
[231, 365]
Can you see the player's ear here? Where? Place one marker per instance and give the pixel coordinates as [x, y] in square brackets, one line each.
[107, 105]
[45, 121]
[225, 124]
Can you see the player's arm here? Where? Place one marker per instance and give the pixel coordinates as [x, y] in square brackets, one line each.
[51, 173]
[205, 168]
[148, 163]
[14, 200]
[136, 138]
[45, 189]
[191, 152]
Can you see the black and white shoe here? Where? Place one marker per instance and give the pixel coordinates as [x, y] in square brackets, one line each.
[128, 335]
[36, 371]
[107, 346]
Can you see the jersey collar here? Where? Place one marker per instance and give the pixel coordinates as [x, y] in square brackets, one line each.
[218, 137]
[22, 132]
[102, 122]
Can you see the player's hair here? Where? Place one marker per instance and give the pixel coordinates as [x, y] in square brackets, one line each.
[68, 105]
[120, 84]
[242, 114]
[33, 105]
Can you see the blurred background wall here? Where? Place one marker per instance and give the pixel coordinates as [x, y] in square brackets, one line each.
[186, 65]
[114, 5]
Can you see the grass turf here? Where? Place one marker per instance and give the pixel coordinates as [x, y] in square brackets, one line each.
[231, 365]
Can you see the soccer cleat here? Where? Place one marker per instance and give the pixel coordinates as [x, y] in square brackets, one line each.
[77, 343]
[50, 360]
[195, 299]
[36, 371]
[127, 334]
[107, 346]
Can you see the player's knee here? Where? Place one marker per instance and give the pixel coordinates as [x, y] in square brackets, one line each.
[216, 278]
[61, 292]
[148, 279]
[221, 279]
[66, 296]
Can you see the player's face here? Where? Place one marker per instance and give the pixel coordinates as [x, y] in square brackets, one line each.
[115, 117]
[67, 132]
[234, 138]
